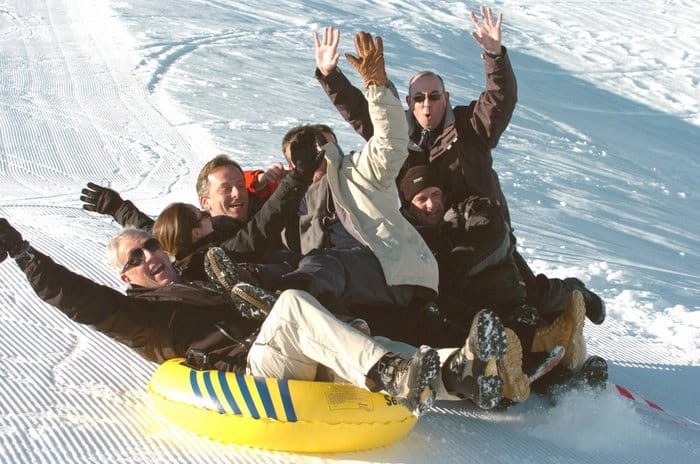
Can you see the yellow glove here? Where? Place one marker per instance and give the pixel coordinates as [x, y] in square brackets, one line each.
[370, 60]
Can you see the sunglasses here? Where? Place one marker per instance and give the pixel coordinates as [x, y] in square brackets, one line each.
[432, 96]
[136, 255]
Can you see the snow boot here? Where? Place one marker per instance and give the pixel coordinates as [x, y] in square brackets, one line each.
[251, 301]
[223, 271]
[516, 384]
[595, 307]
[593, 374]
[472, 371]
[566, 331]
[408, 380]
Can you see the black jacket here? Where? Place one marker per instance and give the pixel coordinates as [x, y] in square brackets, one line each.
[159, 324]
[260, 236]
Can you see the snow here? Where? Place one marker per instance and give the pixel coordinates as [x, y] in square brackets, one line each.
[599, 164]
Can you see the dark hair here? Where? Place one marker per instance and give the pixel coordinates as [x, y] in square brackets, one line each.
[173, 228]
[203, 177]
[294, 131]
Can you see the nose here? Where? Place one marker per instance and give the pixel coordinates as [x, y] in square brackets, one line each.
[147, 255]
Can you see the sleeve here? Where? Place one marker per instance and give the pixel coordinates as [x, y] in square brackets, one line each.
[348, 100]
[118, 316]
[495, 106]
[129, 215]
[265, 228]
[384, 153]
[251, 178]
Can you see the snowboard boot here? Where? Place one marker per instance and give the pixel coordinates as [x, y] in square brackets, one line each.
[223, 271]
[593, 374]
[408, 380]
[566, 331]
[516, 384]
[595, 307]
[472, 371]
[251, 301]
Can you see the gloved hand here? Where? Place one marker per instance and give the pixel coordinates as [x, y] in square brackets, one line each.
[3, 253]
[370, 60]
[100, 199]
[305, 154]
[10, 239]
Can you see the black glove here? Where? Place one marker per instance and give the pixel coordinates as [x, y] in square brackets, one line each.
[3, 253]
[100, 199]
[305, 155]
[10, 239]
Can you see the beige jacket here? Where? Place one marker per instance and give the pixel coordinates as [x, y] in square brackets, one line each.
[363, 185]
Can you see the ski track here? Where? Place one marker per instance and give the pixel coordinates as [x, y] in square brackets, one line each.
[70, 94]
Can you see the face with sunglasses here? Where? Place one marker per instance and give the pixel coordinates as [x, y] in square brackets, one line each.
[145, 263]
[203, 225]
[428, 101]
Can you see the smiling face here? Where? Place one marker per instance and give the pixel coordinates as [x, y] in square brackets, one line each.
[428, 100]
[427, 206]
[150, 267]
[227, 194]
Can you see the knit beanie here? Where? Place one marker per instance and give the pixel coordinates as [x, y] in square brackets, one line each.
[416, 179]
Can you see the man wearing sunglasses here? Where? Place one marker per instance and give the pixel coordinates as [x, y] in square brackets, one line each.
[161, 317]
[457, 141]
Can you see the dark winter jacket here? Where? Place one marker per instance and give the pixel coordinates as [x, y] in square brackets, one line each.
[159, 323]
[250, 242]
[474, 249]
[461, 148]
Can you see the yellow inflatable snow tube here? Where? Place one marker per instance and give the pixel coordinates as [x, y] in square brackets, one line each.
[277, 414]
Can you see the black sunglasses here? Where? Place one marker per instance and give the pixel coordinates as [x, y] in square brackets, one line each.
[136, 256]
[432, 96]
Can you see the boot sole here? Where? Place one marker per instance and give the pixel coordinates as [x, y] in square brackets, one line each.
[575, 350]
[424, 397]
[594, 372]
[487, 341]
[251, 302]
[222, 270]
[516, 384]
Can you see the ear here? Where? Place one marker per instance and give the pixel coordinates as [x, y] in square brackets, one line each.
[125, 278]
[204, 203]
[447, 97]
[408, 100]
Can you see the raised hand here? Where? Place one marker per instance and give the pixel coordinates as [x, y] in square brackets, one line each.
[100, 199]
[488, 32]
[369, 61]
[327, 50]
[274, 173]
[10, 239]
